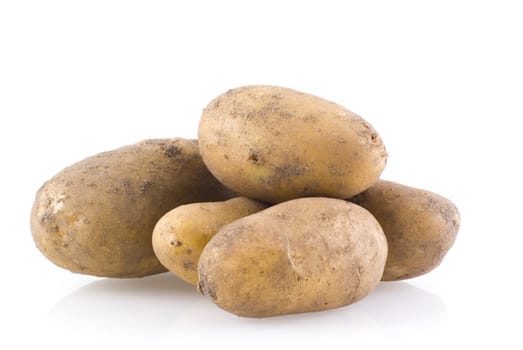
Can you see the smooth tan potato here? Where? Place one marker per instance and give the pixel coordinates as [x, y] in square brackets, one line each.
[97, 216]
[420, 226]
[181, 234]
[275, 144]
[307, 254]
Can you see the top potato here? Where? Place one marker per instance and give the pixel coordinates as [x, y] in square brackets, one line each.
[275, 144]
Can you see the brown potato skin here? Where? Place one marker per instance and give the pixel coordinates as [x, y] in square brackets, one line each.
[420, 227]
[303, 255]
[180, 235]
[96, 217]
[275, 144]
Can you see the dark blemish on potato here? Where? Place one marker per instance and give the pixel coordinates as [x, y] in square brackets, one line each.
[253, 157]
[172, 151]
[271, 108]
[310, 119]
[370, 134]
[226, 156]
[440, 207]
[175, 243]
[45, 218]
[266, 180]
[188, 251]
[289, 170]
[201, 287]
[311, 188]
[188, 265]
[204, 288]
[335, 170]
[145, 186]
[125, 182]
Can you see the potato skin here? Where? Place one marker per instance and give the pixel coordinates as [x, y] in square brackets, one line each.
[303, 255]
[275, 144]
[96, 217]
[420, 227]
[180, 235]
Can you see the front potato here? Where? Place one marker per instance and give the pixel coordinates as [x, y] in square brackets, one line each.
[308, 254]
[276, 144]
[180, 235]
[97, 216]
[420, 227]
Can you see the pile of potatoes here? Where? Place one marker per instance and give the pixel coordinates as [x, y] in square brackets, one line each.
[278, 208]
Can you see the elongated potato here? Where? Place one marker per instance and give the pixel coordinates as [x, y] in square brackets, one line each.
[180, 235]
[420, 226]
[276, 144]
[307, 254]
[97, 216]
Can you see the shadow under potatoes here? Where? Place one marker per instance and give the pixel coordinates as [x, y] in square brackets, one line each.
[164, 301]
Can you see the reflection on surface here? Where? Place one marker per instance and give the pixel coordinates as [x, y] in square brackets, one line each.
[163, 305]
[400, 305]
[150, 301]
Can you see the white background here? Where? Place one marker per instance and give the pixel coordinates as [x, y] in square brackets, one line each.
[442, 84]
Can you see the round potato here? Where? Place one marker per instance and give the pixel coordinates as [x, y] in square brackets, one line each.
[307, 254]
[275, 144]
[97, 216]
[180, 235]
[420, 227]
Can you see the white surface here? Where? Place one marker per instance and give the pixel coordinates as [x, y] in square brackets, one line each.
[441, 83]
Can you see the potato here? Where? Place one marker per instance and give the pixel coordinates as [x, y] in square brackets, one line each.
[181, 234]
[303, 255]
[420, 227]
[97, 216]
[276, 144]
